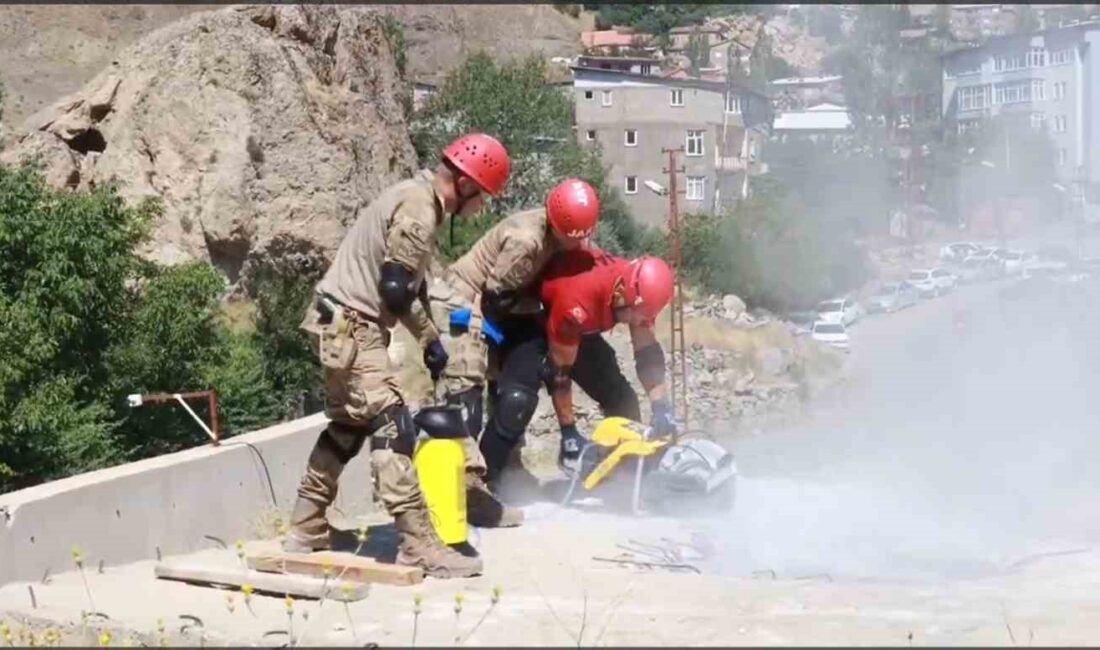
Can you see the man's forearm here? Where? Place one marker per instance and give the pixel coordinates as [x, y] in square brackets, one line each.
[419, 321]
[562, 399]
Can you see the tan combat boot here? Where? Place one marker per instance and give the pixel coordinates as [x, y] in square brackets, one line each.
[420, 546]
[484, 510]
[309, 529]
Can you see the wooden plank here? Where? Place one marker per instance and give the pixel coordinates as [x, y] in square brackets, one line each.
[274, 583]
[346, 565]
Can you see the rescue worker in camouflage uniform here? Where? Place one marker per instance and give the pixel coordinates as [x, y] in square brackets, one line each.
[495, 282]
[376, 280]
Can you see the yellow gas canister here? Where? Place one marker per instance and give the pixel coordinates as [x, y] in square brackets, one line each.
[440, 461]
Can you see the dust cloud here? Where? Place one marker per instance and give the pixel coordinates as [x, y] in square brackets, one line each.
[949, 452]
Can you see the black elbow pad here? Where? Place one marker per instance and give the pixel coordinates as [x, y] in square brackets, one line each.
[396, 288]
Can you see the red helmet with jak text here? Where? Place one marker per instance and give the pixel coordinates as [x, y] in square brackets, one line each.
[572, 208]
[483, 159]
[649, 285]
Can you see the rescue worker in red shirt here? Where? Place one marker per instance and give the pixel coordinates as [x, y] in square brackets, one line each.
[587, 292]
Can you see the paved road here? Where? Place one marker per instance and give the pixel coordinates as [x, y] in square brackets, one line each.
[946, 453]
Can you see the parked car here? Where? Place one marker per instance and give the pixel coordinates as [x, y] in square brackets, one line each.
[958, 251]
[1014, 261]
[1043, 267]
[979, 269]
[834, 334]
[893, 296]
[840, 310]
[932, 282]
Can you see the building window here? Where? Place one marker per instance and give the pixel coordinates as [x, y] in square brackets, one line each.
[733, 103]
[1036, 58]
[1038, 121]
[630, 137]
[605, 98]
[1012, 93]
[1059, 89]
[588, 94]
[1060, 57]
[631, 185]
[1061, 157]
[1059, 123]
[694, 144]
[1038, 90]
[696, 188]
[1008, 63]
[590, 135]
[676, 97]
[973, 98]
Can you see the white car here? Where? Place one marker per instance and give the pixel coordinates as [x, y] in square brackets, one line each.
[932, 282]
[958, 251]
[841, 310]
[1015, 261]
[1036, 267]
[834, 334]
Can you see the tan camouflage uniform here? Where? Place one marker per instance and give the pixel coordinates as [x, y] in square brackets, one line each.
[507, 258]
[401, 225]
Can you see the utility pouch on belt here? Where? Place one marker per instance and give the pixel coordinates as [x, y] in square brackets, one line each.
[460, 320]
[338, 342]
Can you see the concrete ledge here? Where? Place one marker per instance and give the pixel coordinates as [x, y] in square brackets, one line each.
[165, 505]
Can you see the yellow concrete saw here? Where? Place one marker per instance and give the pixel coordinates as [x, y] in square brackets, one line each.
[670, 475]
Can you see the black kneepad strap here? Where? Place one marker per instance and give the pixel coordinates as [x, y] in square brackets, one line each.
[515, 407]
[649, 363]
[397, 288]
[404, 442]
[343, 447]
[554, 376]
[471, 400]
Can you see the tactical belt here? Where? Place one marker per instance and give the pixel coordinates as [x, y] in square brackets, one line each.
[323, 296]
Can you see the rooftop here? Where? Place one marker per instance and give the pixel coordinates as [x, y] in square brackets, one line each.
[823, 117]
[609, 38]
[1084, 26]
[680, 78]
[806, 81]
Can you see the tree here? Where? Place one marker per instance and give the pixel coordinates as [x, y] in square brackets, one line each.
[86, 322]
[772, 250]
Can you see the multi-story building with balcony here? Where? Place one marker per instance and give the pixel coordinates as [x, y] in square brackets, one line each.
[1049, 80]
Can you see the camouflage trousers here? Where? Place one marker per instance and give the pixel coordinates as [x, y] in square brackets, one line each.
[360, 384]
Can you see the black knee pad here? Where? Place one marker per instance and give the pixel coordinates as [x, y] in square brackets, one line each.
[405, 441]
[515, 407]
[472, 401]
[343, 441]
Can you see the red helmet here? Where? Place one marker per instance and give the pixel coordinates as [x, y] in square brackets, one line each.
[649, 285]
[482, 158]
[572, 208]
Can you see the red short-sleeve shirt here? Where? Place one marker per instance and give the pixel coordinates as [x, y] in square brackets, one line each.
[577, 288]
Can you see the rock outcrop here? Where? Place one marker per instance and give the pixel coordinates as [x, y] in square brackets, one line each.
[261, 129]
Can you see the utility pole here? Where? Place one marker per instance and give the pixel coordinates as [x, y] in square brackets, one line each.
[677, 348]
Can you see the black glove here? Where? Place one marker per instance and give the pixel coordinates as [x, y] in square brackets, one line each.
[435, 358]
[664, 420]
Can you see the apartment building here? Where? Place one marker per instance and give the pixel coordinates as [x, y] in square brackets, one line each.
[1048, 80]
[633, 117]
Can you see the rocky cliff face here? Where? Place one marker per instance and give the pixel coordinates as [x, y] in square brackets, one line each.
[261, 129]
